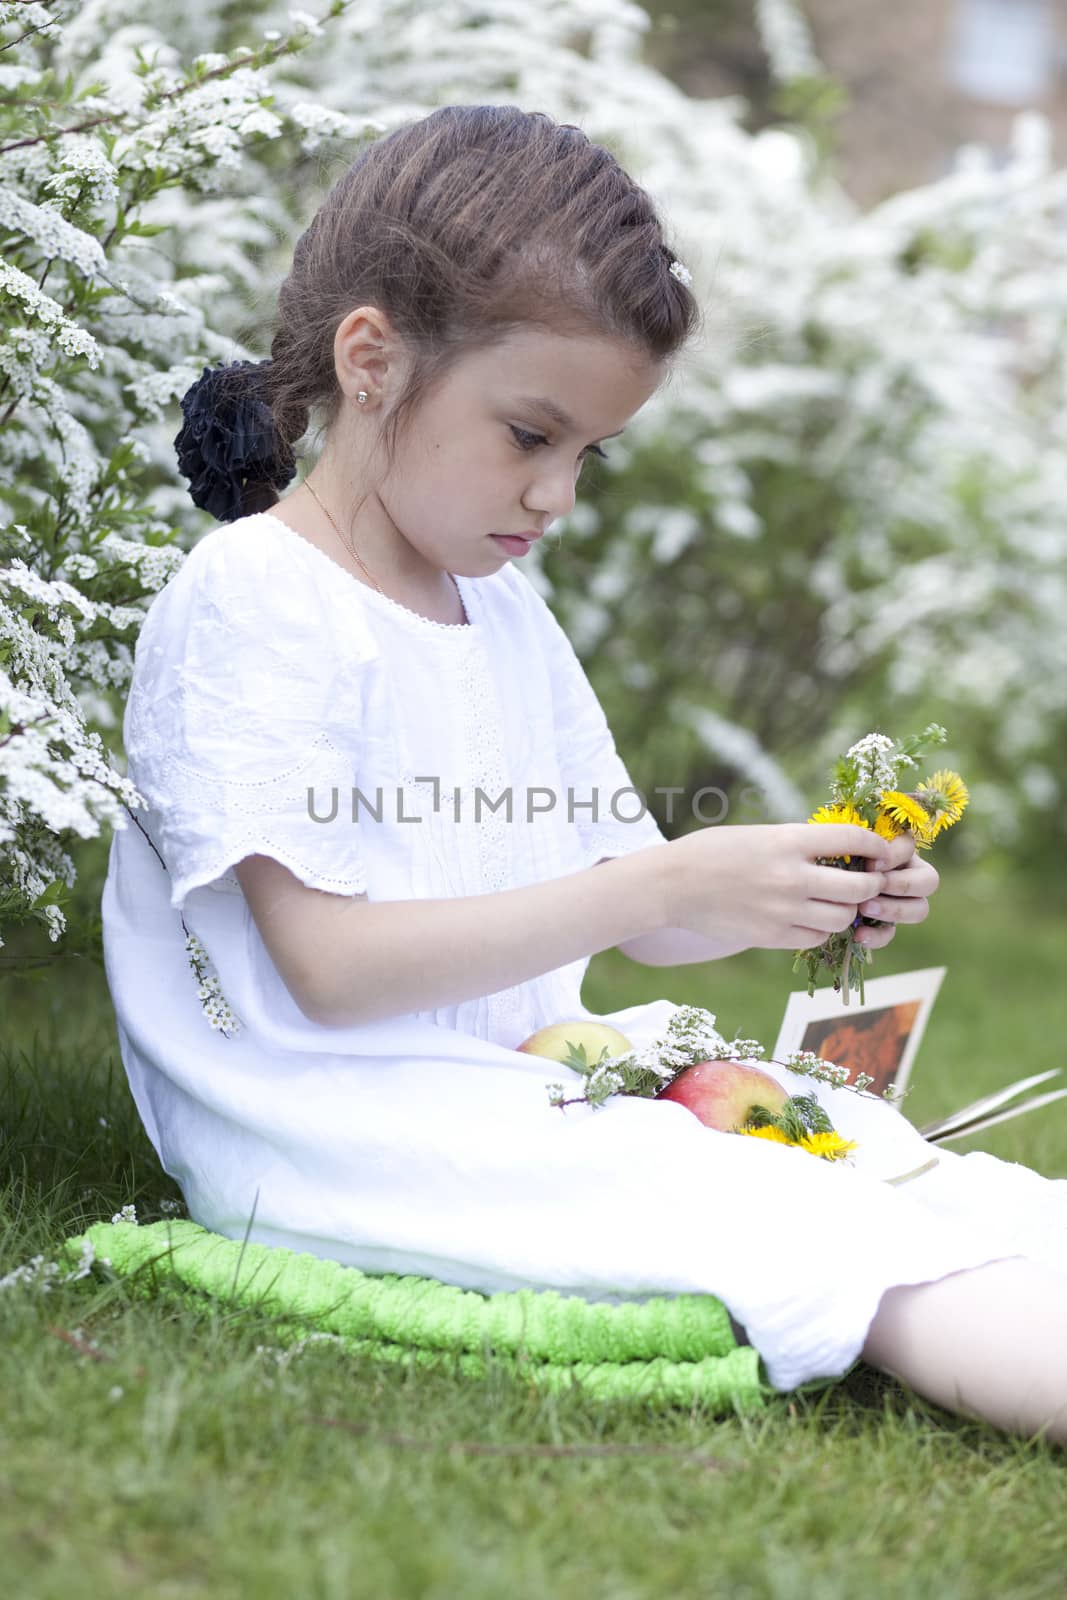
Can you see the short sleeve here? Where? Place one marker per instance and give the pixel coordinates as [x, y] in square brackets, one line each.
[590, 766]
[244, 717]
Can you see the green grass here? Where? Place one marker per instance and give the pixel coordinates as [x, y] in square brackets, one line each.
[173, 1450]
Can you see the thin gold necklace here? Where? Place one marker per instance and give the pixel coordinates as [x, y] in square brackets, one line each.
[359, 559]
[345, 542]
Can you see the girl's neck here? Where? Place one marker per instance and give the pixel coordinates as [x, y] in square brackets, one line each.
[437, 601]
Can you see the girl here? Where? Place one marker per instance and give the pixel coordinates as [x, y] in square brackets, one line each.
[320, 696]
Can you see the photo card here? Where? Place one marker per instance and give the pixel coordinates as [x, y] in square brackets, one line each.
[879, 1037]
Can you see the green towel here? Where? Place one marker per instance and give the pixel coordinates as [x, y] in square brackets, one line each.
[671, 1349]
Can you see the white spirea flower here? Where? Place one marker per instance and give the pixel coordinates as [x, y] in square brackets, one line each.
[213, 1003]
[85, 174]
[30, 15]
[304, 19]
[871, 754]
[86, 1257]
[787, 40]
[38, 1273]
[321, 122]
[17, 285]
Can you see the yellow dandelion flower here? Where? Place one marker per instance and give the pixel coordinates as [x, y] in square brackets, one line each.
[886, 828]
[946, 795]
[839, 813]
[774, 1134]
[909, 812]
[829, 1146]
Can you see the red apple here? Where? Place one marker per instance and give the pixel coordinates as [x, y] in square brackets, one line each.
[722, 1093]
[557, 1039]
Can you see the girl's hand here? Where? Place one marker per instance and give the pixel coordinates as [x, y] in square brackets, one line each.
[763, 885]
[905, 898]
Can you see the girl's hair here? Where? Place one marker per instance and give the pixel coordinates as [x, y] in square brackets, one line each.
[462, 227]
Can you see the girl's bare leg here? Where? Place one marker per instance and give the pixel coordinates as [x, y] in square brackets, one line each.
[990, 1341]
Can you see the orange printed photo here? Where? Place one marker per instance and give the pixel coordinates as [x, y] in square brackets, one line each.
[879, 1036]
[872, 1042]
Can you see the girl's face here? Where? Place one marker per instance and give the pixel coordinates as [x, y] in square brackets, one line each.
[497, 448]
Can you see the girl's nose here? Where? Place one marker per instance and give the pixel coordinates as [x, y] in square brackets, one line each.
[552, 494]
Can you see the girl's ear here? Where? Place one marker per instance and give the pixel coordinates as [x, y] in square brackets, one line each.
[365, 346]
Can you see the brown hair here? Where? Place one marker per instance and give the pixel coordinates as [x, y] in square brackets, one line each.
[463, 226]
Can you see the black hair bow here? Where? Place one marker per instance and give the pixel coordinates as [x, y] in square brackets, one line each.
[228, 445]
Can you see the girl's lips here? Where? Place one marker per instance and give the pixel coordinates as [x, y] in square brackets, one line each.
[514, 545]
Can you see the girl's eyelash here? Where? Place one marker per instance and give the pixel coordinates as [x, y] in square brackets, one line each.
[529, 441]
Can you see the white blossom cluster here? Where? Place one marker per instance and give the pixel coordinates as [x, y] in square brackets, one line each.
[690, 1035]
[811, 1065]
[871, 755]
[209, 992]
[84, 174]
[55, 772]
[16, 285]
[39, 1273]
[787, 39]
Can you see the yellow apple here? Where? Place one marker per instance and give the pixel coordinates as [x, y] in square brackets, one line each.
[556, 1041]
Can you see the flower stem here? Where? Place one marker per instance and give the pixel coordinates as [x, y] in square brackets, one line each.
[845, 968]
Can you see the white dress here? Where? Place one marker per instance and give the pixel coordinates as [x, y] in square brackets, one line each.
[427, 1143]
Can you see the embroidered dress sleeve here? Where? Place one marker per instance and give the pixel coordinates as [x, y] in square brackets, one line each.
[589, 762]
[244, 720]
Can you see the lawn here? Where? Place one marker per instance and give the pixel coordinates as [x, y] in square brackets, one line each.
[178, 1451]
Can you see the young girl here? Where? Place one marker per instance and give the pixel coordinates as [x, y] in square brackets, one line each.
[324, 949]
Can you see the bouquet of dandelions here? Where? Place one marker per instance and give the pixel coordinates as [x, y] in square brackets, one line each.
[694, 1065]
[866, 790]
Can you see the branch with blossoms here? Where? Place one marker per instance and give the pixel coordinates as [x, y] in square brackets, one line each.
[213, 1002]
[691, 1037]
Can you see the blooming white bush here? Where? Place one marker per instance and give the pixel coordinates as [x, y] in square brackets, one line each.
[108, 142]
[843, 511]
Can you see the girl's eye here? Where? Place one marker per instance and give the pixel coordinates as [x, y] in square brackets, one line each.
[526, 440]
[529, 441]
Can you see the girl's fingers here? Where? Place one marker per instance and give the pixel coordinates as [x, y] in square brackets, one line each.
[875, 938]
[848, 839]
[829, 915]
[900, 851]
[894, 908]
[839, 885]
[920, 878]
[804, 939]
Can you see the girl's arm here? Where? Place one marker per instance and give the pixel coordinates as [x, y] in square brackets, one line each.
[675, 947]
[348, 960]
